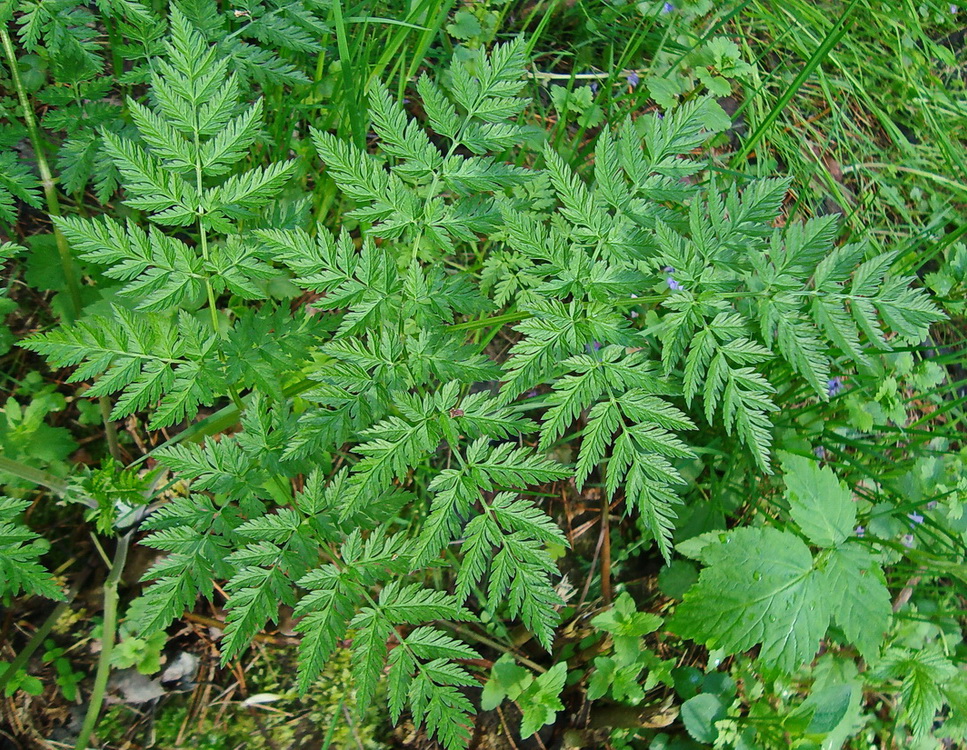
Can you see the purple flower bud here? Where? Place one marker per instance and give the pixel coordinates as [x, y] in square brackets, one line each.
[907, 540]
[672, 284]
[932, 505]
[667, 8]
[834, 386]
[915, 517]
[819, 452]
[859, 531]
[632, 79]
[532, 393]
[594, 88]
[593, 347]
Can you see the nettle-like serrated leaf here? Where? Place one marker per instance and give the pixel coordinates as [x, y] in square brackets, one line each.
[819, 502]
[759, 587]
[763, 587]
[925, 675]
[626, 626]
[861, 603]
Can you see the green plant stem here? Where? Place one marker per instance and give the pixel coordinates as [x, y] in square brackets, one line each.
[52, 483]
[475, 636]
[46, 177]
[220, 421]
[516, 317]
[53, 208]
[114, 43]
[213, 310]
[110, 431]
[203, 239]
[31, 474]
[109, 629]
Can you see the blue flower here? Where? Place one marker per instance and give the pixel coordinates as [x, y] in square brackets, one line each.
[632, 79]
[667, 8]
[859, 531]
[907, 540]
[915, 517]
[670, 279]
[834, 386]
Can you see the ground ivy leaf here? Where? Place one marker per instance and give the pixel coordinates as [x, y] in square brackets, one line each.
[759, 587]
[819, 502]
[699, 715]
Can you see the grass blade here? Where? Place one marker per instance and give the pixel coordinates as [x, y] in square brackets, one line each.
[832, 39]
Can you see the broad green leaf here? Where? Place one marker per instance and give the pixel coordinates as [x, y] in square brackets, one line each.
[828, 706]
[759, 588]
[819, 502]
[507, 680]
[860, 600]
[541, 701]
[699, 715]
